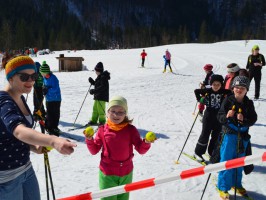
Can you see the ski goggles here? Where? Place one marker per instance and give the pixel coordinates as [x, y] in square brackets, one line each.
[24, 77]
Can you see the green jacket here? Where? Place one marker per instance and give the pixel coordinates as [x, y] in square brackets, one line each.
[39, 81]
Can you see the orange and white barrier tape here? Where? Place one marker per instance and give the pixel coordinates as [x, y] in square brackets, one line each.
[230, 164]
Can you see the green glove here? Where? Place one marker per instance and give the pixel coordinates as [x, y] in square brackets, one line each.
[88, 132]
[150, 137]
[202, 100]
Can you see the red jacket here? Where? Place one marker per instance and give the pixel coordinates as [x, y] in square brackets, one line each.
[117, 149]
[143, 54]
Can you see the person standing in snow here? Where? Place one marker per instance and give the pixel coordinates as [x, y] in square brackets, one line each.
[116, 139]
[205, 84]
[254, 65]
[212, 98]
[39, 111]
[17, 176]
[236, 115]
[233, 71]
[167, 58]
[143, 55]
[52, 92]
[101, 94]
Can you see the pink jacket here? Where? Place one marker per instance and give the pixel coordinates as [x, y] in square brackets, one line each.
[117, 149]
[167, 55]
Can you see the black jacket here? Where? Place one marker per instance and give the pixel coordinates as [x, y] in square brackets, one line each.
[247, 107]
[255, 59]
[208, 78]
[212, 100]
[101, 87]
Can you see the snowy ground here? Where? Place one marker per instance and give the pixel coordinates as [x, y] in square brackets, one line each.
[158, 102]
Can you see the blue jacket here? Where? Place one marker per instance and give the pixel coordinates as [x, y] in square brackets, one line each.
[52, 84]
[165, 61]
[233, 146]
[13, 152]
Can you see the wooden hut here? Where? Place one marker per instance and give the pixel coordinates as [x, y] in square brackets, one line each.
[69, 64]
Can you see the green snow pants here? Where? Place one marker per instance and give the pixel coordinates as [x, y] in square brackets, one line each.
[107, 181]
[98, 112]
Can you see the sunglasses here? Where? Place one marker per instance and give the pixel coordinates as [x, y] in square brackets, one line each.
[120, 114]
[24, 77]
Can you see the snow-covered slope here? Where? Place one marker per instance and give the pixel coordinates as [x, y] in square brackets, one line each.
[157, 102]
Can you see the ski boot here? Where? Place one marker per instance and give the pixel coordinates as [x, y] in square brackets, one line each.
[224, 195]
[241, 191]
[54, 131]
[199, 158]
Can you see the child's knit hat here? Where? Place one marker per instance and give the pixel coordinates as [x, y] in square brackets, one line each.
[17, 64]
[241, 81]
[45, 69]
[217, 77]
[233, 67]
[99, 67]
[118, 101]
[208, 67]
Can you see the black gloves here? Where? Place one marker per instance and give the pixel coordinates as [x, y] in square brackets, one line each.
[91, 91]
[91, 81]
[44, 90]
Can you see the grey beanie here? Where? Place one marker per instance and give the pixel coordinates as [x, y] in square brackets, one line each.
[241, 81]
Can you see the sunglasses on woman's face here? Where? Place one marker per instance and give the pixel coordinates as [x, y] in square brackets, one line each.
[24, 77]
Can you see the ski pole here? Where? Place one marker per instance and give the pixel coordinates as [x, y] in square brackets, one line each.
[40, 104]
[81, 106]
[205, 186]
[41, 122]
[47, 166]
[237, 149]
[148, 62]
[49, 173]
[174, 66]
[177, 161]
[139, 63]
[195, 108]
[46, 181]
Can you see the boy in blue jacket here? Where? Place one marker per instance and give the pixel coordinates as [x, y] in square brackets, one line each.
[237, 114]
[52, 93]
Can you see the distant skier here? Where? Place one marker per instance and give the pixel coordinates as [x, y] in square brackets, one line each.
[167, 61]
[237, 114]
[143, 55]
[255, 63]
[101, 94]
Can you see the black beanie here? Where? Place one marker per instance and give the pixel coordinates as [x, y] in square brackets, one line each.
[99, 67]
[216, 77]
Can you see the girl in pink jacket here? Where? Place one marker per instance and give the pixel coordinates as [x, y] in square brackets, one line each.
[116, 139]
